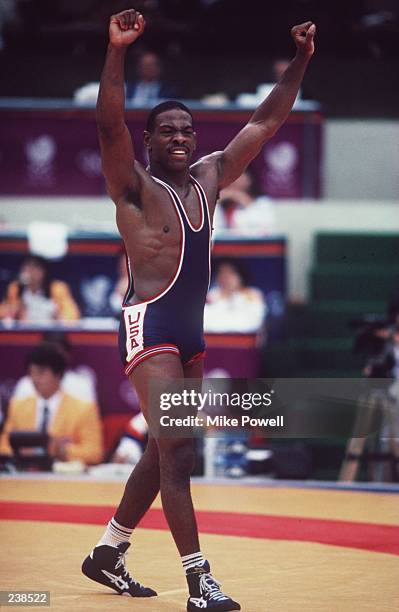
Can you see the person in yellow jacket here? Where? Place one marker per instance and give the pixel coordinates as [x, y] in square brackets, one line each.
[35, 298]
[74, 427]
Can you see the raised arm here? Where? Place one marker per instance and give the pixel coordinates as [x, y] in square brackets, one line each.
[271, 114]
[117, 152]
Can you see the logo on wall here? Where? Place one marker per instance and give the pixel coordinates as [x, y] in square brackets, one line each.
[40, 154]
[280, 171]
[89, 162]
[95, 292]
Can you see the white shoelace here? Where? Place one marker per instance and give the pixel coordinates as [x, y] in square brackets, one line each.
[209, 585]
[122, 562]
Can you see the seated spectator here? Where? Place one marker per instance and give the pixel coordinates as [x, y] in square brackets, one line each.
[244, 209]
[393, 306]
[279, 66]
[133, 441]
[148, 88]
[34, 298]
[385, 364]
[78, 383]
[231, 305]
[74, 427]
[8, 14]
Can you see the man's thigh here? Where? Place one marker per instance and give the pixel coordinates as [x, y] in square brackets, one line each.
[194, 370]
[165, 373]
[152, 376]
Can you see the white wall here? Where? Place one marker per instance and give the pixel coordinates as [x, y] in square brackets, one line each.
[361, 160]
[297, 220]
[74, 212]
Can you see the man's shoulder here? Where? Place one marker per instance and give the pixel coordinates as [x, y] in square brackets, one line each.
[206, 171]
[206, 164]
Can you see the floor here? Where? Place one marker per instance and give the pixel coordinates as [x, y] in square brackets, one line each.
[277, 549]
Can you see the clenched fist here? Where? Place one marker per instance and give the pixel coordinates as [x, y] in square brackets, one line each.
[303, 36]
[125, 28]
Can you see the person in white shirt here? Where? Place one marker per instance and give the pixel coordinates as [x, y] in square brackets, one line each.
[231, 305]
[79, 382]
[34, 298]
[244, 209]
[74, 427]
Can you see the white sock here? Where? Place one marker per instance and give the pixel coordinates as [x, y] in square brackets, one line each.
[115, 534]
[192, 560]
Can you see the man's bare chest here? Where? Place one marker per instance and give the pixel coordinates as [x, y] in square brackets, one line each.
[171, 208]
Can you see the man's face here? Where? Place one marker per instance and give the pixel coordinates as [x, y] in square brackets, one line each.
[173, 140]
[45, 381]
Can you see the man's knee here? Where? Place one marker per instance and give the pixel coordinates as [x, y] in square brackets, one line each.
[151, 447]
[177, 456]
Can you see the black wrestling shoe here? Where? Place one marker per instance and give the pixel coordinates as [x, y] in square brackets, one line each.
[106, 565]
[205, 593]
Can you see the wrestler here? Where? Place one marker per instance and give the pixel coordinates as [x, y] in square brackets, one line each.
[164, 214]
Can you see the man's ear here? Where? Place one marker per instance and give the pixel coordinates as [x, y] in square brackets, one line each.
[147, 140]
[195, 141]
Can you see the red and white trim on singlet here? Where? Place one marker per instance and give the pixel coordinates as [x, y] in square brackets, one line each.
[134, 315]
[203, 201]
[134, 327]
[201, 190]
[157, 349]
[182, 246]
[130, 276]
[199, 227]
[195, 358]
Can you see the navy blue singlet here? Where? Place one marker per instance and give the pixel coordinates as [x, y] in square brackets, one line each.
[172, 321]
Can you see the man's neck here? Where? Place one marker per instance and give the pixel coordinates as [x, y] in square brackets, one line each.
[178, 180]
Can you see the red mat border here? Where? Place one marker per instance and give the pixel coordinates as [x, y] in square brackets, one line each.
[348, 534]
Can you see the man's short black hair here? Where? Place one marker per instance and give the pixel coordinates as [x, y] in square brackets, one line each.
[47, 355]
[163, 107]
